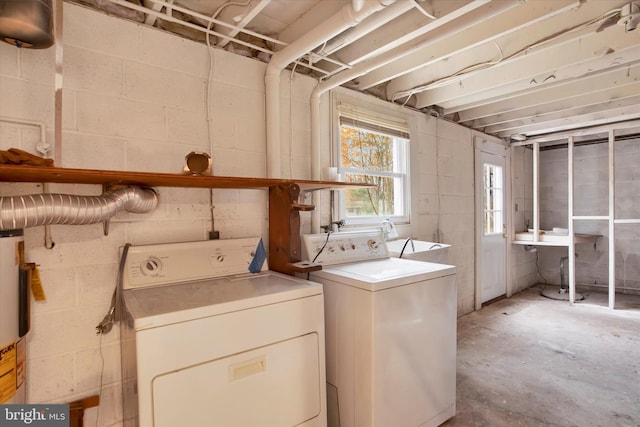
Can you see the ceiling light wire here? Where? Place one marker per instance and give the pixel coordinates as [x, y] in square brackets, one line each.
[452, 78]
[208, 104]
[220, 9]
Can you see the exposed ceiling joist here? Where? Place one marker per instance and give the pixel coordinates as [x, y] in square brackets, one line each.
[593, 100]
[605, 84]
[408, 29]
[605, 116]
[622, 104]
[466, 34]
[536, 68]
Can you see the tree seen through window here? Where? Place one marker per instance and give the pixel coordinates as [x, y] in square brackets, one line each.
[370, 157]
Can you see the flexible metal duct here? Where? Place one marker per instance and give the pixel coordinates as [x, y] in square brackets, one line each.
[43, 209]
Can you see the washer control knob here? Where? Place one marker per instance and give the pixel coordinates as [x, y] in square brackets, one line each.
[151, 266]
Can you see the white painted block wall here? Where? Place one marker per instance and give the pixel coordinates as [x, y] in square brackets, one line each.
[445, 198]
[455, 157]
[134, 99]
[524, 270]
[591, 198]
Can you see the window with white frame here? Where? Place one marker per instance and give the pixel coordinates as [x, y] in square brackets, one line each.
[374, 150]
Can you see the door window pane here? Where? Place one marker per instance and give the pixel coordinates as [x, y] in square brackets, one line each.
[493, 199]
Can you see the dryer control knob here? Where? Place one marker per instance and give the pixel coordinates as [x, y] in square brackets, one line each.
[151, 267]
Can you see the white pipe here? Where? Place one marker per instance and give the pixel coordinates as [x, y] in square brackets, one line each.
[612, 215]
[206, 19]
[345, 18]
[424, 12]
[536, 194]
[362, 69]
[59, 68]
[365, 67]
[43, 147]
[356, 33]
[571, 220]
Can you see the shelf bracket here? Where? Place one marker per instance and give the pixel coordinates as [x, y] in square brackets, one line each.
[284, 229]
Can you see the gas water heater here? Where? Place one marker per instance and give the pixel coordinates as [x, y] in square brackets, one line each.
[14, 316]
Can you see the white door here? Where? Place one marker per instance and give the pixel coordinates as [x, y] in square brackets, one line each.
[491, 268]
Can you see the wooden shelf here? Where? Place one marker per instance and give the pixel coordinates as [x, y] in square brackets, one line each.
[284, 208]
[12, 173]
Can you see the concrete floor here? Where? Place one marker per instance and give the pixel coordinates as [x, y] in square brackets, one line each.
[533, 361]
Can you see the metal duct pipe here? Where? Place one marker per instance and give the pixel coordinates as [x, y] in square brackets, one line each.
[18, 212]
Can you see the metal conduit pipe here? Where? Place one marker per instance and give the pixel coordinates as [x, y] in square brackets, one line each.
[344, 19]
[18, 212]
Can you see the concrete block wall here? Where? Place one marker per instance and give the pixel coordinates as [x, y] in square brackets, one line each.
[134, 98]
[524, 270]
[446, 198]
[457, 205]
[627, 237]
[591, 197]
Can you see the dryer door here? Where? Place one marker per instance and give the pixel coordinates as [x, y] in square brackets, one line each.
[278, 384]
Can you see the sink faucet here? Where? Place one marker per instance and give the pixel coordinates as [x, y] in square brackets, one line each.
[413, 247]
[330, 228]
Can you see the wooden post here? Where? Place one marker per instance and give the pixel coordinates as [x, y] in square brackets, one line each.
[284, 229]
[77, 408]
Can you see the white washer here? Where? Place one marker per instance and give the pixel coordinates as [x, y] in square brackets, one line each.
[390, 333]
[205, 343]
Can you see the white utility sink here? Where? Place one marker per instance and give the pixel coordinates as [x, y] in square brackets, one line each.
[420, 250]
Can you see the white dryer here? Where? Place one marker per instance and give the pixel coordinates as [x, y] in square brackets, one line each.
[206, 343]
[390, 333]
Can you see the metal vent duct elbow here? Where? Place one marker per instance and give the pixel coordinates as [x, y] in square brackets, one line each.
[18, 212]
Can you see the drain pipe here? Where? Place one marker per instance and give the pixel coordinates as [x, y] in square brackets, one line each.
[365, 67]
[17, 212]
[43, 147]
[347, 17]
[355, 33]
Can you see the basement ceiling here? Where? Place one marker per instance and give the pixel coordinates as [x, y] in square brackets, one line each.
[503, 67]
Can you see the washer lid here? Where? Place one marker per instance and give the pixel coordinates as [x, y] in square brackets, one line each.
[382, 274]
[162, 305]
